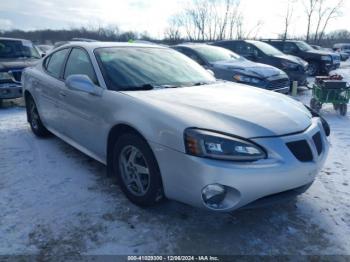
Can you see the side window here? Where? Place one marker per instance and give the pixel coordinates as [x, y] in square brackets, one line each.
[79, 63]
[289, 48]
[192, 55]
[55, 62]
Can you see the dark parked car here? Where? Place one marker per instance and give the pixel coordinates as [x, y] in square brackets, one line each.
[15, 55]
[261, 52]
[343, 47]
[229, 66]
[320, 61]
[343, 55]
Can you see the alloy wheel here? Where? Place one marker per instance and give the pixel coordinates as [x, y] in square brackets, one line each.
[134, 170]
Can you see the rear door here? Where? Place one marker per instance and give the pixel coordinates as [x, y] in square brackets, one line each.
[48, 86]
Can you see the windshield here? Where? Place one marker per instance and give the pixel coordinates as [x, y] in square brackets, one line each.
[266, 48]
[17, 49]
[129, 68]
[303, 46]
[214, 54]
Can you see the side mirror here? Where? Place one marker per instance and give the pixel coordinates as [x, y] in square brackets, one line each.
[43, 54]
[82, 83]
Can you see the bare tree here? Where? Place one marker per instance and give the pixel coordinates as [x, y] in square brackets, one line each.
[288, 17]
[326, 14]
[310, 8]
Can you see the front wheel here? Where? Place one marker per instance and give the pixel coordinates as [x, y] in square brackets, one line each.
[343, 109]
[137, 170]
[34, 119]
[313, 69]
[315, 105]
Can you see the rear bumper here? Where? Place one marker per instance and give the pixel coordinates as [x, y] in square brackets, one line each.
[10, 91]
[184, 176]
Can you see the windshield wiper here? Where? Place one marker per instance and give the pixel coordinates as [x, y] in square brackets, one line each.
[138, 88]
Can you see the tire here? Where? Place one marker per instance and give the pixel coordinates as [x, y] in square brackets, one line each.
[34, 120]
[343, 109]
[315, 105]
[336, 107]
[132, 158]
[313, 69]
[0, 102]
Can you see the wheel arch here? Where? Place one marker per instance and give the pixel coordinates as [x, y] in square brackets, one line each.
[115, 132]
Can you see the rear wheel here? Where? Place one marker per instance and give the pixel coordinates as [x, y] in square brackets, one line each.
[137, 170]
[343, 109]
[34, 119]
[0, 102]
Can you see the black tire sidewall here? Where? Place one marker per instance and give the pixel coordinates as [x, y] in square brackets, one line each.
[155, 190]
[316, 67]
[343, 108]
[41, 131]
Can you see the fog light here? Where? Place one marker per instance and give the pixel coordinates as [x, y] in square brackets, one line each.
[213, 195]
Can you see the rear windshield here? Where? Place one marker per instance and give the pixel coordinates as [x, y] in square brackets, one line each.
[215, 54]
[11, 49]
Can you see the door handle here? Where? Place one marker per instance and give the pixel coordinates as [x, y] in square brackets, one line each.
[62, 94]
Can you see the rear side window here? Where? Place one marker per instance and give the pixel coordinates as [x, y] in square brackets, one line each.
[191, 55]
[289, 48]
[56, 61]
[79, 63]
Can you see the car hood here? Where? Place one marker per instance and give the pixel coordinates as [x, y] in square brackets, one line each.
[249, 68]
[319, 52]
[293, 59]
[229, 107]
[8, 64]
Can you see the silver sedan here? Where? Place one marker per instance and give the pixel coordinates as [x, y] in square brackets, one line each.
[166, 128]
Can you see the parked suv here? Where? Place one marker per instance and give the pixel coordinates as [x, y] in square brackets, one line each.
[342, 48]
[257, 51]
[15, 55]
[320, 61]
[229, 66]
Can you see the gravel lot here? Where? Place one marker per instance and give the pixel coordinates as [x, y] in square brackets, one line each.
[55, 200]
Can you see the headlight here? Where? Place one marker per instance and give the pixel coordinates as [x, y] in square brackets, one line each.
[246, 79]
[5, 76]
[326, 58]
[289, 65]
[203, 143]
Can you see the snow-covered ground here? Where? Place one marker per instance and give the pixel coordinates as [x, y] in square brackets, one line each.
[55, 200]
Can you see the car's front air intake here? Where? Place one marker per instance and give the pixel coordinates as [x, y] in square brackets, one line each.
[301, 150]
[318, 142]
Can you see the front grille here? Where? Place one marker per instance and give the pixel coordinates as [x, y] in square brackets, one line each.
[318, 142]
[279, 83]
[17, 74]
[301, 150]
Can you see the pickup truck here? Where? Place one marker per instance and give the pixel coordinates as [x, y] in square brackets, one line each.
[15, 55]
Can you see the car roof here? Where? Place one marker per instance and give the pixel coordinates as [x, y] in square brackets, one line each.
[13, 39]
[191, 45]
[94, 45]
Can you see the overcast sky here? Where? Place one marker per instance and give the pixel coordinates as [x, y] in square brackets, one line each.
[141, 15]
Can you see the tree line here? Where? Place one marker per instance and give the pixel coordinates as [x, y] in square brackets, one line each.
[212, 20]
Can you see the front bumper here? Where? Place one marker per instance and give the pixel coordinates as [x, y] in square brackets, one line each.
[10, 90]
[185, 176]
